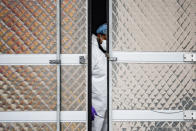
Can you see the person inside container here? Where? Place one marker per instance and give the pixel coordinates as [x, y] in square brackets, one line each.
[99, 79]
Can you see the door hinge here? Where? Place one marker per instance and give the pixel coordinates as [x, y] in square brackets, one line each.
[189, 57]
[55, 61]
[190, 115]
[82, 60]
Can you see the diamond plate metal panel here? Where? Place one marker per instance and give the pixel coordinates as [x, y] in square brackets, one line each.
[73, 126]
[154, 126]
[154, 86]
[27, 88]
[27, 126]
[73, 88]
[74, 26]
[27, 26]
[153, 25]
[68, 126]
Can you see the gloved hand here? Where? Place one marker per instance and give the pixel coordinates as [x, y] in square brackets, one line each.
[93, 113]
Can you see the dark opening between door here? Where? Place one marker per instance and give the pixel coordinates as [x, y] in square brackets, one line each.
[98, 14]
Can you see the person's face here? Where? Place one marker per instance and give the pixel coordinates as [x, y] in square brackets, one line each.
[101, 37]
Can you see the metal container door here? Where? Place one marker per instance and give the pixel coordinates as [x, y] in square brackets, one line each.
[74, 65]
[43, 81]
[152, 83]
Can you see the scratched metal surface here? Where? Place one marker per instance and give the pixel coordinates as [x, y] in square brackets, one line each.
[153, 25]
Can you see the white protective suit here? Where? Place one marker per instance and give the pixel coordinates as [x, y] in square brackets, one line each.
[99, 86]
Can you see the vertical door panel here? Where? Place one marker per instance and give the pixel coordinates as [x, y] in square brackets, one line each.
[74, 77]
[141, 82]
[28, 27]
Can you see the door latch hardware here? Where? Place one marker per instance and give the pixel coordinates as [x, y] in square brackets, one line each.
[189, 57]
[110, 58]
[82, 60]
[190, 115]
[55, 61]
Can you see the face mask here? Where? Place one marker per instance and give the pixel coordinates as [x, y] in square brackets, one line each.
[104, 45]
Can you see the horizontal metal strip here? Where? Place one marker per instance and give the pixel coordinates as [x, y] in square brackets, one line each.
[80, 116]
[42, 116]
[147, 115]
[38, 59]
[149, 57]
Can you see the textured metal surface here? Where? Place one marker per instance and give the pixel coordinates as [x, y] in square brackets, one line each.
[27, 26]
[154, 126]
[74, 26]
[73, 88]
[154, 86]
[154, 25]
[68, 126]
[73, 126]
[27, 126]
[27, 88]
